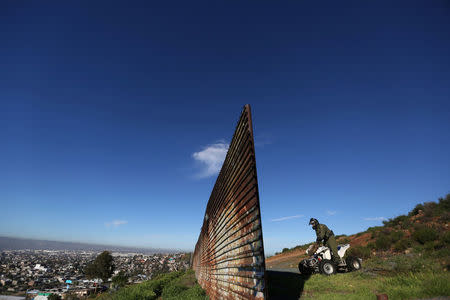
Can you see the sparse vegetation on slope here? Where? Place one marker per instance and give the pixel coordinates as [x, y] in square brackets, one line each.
[427, 224]
[174, 285]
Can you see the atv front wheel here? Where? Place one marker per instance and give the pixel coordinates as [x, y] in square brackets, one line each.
[304, 270]
[327, 267]
[353, 264]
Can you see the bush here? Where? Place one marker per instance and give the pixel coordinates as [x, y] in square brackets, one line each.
[374, 229]
[429, 246]
[173, 290]
[396, 221]
[371, 246]
[359, 251]
[383, 242]
[181, 288]
[446, 237]
[395, 236]
[444, 203]
[285, 250]
[432, 209]
[120, 280]
[445, 217]
[401, 245]
[416, 210]
[425, 234]
[344, 240]
[406, 224]
[174, 285]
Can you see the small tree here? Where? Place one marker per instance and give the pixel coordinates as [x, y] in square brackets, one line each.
[120, 280]
[54, 297]
[102, 267]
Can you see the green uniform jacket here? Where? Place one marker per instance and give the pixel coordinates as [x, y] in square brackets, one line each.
[323, 233]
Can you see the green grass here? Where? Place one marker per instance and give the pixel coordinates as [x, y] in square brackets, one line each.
[360, 285]
[419, 274]
[406, 258]
[174, 285]
[416, 275]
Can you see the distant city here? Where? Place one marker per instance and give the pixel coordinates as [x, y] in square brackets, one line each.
[12, 243]
[44, 267]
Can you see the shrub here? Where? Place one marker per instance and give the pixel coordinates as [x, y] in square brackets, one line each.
[404, 264]
[344, 240]
[430, 209]
[374, 229]
[396, 236]
[444, 203]
[359, 251]
[383, 242]
[425, 234]
[416, 210]
[429, 246]
[172, 290]
[446, 237]
[285, 250]
[396, 221]
[445, 217]
[371, 246]
[174, 285]
[406, 224]
[401, 245]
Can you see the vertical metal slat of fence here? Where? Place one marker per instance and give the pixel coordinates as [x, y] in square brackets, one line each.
[229, 254]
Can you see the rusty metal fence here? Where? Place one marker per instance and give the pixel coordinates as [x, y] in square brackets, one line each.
[229, 254]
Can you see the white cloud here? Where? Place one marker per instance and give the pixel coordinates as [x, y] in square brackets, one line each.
[115, 223]
[286, 218]
[375, 219]
[211, 159]
[331, 212]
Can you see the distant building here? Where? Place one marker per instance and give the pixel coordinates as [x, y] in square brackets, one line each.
[40, 268]
[2, 297]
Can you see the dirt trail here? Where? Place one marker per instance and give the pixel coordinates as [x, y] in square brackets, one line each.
[285, 261]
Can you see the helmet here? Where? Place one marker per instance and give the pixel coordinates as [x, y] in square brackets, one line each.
[313, 222]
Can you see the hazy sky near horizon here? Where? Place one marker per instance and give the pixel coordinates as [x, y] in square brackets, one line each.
[115, 116]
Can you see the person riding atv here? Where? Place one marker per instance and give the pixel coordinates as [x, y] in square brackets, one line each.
[326, 236]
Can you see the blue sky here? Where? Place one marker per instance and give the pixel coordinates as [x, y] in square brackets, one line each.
[115, 116]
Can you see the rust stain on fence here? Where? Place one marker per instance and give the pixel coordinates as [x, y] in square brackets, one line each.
[229, 254]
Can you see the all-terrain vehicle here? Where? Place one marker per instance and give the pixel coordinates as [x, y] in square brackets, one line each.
[320, 261]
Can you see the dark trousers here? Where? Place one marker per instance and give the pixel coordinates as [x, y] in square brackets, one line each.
[331, 243]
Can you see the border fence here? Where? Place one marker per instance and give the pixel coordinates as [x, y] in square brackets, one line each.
[229, 254]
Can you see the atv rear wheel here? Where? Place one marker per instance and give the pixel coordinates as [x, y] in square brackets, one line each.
[303, 269]
[353, 264]
[327, 267]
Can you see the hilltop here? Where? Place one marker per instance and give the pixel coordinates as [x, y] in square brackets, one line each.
[426, 226]
[407, 257]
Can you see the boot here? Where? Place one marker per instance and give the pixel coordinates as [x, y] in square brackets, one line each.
[338, 261]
